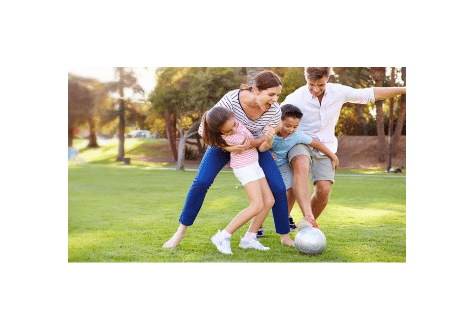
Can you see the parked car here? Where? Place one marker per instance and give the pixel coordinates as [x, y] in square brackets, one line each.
[139, 134]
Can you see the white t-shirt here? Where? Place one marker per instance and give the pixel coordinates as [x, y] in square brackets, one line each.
[319, 120]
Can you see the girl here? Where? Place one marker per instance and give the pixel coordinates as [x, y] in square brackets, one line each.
[221, 129]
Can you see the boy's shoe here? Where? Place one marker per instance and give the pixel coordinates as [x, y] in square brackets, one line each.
[293, 227]
[260, 233]
[252, 244]
[223, 245]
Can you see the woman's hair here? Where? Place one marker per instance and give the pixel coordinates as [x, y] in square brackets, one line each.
[316, 73]
[289, 110]
[264, 80]
[212, 121]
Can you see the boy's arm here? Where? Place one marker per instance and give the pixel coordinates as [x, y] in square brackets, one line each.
[323, 149]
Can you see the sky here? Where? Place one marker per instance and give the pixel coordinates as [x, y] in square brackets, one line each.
[146, 76]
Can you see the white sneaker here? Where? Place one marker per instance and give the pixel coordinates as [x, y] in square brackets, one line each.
[252, 244]
[223, 245]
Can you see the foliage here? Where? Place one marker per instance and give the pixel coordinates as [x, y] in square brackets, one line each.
[293, 78]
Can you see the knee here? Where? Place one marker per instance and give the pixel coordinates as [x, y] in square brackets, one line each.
[257, 207]
[323, 188]
[300, 165]
[269, 202]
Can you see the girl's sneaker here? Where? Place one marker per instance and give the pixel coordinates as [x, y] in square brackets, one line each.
[293, 227]
[252, 244]
[223, 245]
[260, 233]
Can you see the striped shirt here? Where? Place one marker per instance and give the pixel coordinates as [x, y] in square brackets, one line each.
[244, 158]
[256, 127]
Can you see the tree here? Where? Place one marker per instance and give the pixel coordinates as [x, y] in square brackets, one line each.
[402, 113]
[188, 92]
[378, 73]
[83, 101]
[126, 80]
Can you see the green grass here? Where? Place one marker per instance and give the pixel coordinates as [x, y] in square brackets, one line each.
[108, 150]
[125, 213]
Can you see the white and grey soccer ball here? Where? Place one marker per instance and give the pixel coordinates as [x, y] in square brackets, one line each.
[310, 241]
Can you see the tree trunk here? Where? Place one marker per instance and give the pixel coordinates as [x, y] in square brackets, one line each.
[183, 140]
[121, 127]
[93, 133]
[379, 75]
[252, 72]
[171, 135]
[361, 117]
[390, 121]
[402, 115]
[70, 135]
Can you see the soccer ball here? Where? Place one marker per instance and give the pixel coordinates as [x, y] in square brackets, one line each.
[310, 241]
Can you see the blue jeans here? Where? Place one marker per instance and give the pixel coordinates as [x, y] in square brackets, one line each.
[212, 163]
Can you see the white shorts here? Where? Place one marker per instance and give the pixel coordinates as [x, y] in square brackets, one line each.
[249, 173]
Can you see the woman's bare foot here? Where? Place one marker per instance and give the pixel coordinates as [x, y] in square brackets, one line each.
[178, 236]
[286, 240]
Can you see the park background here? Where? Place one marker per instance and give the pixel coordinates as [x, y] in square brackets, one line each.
[119, 215]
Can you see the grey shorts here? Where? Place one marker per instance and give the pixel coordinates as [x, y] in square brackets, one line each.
[321, 165]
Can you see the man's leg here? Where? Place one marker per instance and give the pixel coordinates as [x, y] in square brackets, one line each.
[301, 185]
[322, 175]
[320, 197]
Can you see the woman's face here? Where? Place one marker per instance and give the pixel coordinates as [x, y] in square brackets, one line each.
[266, 98]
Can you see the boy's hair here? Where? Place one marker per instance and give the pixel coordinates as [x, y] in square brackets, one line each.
[316, 73]
[212, 121]
[289, 110]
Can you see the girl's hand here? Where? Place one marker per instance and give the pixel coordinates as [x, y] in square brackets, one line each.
[237, 149]
[335, 163]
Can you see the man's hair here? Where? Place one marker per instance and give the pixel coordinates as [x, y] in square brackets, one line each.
[315, 73]
[289, 110]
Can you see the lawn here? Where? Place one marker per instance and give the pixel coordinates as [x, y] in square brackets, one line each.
[123, 213]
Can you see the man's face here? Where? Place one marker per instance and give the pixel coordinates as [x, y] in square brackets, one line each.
[317, 87]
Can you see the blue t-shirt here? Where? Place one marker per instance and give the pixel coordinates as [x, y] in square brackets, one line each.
[281, 146]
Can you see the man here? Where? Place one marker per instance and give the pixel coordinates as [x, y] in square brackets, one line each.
[321, 103]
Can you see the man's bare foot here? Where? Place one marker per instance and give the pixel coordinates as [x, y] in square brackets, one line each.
[178, 236]
[286, 240]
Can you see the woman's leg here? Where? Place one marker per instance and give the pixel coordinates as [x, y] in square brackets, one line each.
[212, 163]
[276, 184]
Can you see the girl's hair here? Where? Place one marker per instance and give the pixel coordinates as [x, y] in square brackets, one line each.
[212, 121]
[264, 80]
[289, 110]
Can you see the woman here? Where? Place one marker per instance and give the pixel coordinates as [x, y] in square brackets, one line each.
[256, 108]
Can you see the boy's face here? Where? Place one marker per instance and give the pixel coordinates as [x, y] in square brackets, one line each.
[289, 126]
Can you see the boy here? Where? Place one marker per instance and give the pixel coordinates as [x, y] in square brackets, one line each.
[283, 141]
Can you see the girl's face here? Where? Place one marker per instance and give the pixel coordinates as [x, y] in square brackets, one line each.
[266, 98]
[229, 128]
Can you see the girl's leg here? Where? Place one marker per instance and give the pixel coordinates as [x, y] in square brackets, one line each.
[213, 161]
[268, 201]
[253, 191]
[276, 184]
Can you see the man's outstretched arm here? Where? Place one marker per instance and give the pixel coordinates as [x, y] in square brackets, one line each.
[385, 93]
